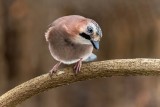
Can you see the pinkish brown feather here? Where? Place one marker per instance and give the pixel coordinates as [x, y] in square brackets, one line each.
[70, 24]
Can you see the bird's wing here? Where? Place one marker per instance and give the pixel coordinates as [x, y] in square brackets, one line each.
[92, 57]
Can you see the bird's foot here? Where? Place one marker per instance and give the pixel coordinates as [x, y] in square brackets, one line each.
[54, 69]
[77, 66]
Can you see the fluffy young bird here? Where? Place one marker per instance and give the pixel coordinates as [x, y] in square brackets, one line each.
[71, 40]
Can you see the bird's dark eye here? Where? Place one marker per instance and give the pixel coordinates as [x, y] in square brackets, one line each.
[90, 29]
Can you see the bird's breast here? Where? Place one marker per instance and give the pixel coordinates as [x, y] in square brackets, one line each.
[66, 51]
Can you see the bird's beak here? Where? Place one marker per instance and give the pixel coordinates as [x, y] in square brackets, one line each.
[95, 44]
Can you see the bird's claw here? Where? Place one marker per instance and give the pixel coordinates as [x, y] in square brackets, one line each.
[51, 72]
[77, 66]
[54, 69]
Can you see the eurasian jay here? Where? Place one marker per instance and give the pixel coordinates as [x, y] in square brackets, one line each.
[71, 40]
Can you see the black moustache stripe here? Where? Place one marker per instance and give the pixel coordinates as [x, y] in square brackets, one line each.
[93, 44]
[85, 36]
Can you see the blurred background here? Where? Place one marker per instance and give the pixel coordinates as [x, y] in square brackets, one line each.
[131, 29]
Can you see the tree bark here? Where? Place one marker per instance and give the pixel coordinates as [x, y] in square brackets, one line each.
[119, 67]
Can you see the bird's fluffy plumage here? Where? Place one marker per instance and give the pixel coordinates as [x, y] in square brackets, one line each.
[65, 43]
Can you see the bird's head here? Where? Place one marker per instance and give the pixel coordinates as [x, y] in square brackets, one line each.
[90, 33]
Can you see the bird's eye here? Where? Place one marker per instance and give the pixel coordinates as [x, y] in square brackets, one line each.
[90, 29]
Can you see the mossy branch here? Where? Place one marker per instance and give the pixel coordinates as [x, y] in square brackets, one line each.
[120, 67]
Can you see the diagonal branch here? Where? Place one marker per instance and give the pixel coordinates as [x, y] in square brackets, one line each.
[121, 67]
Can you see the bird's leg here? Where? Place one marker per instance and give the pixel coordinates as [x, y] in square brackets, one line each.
[77, 66]
[54, 69]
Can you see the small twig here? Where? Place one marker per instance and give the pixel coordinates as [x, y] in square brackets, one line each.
[121, 67]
